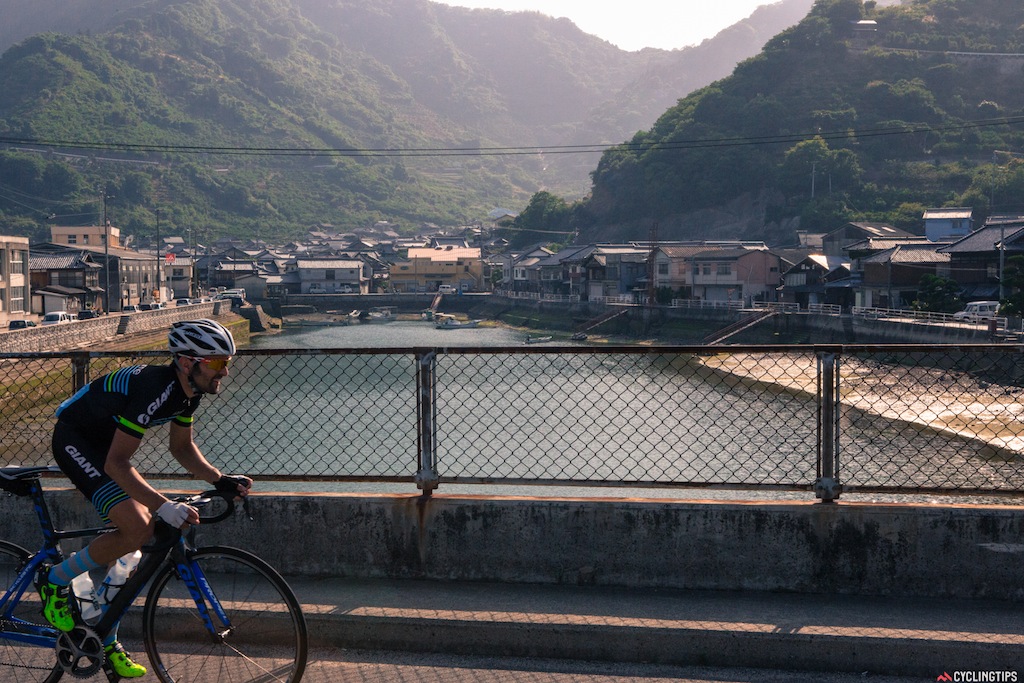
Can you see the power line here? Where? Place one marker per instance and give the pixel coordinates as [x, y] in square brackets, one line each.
[850, 134]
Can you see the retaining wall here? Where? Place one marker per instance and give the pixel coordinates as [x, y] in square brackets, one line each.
[68, 336]
[847, 548]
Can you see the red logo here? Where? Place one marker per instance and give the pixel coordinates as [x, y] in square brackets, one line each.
[944, 677]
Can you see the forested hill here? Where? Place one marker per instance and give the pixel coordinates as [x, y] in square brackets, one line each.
[197, 108]
[834, 121]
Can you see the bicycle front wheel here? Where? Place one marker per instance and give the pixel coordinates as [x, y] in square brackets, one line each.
[26, 640]
[243, 624]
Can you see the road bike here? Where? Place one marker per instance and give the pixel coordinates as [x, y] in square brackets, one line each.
[212, 614]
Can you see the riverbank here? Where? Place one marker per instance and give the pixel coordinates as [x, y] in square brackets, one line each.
[952, 403]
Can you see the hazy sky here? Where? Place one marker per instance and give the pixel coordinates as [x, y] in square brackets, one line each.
[636, 24]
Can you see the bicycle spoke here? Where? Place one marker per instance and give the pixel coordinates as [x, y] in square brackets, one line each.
[264, 639]
[23, 662]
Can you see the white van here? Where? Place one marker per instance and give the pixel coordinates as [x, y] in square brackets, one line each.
[446, 289]
[58, 317]
[977, 312]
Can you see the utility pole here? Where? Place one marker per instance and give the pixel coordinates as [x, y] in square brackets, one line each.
[106, 256]
[159, 259]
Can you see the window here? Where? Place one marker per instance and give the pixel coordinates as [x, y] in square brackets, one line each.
[662, 269]
[85, 239]
[329, 275]
[17, 299]
[706, 269]
[725, 269]
[72, 239]
[19, 263]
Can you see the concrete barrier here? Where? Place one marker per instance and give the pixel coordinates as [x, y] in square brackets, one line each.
[845, 548]
[69, 336]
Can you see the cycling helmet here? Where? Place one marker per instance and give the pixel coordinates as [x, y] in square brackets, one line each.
[200, 338]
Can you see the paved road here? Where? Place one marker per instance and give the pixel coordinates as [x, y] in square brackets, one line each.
[330, 665]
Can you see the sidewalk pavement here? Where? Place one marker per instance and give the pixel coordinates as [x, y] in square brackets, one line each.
[877, 635]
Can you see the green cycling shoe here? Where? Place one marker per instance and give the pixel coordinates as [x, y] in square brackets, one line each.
[121, 662]
[56, 603]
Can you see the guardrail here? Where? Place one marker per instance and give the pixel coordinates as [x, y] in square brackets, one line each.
[822, 419]
[1001, 323]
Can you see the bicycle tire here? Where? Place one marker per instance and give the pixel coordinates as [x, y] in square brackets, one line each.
[267, 640]
[22, 662]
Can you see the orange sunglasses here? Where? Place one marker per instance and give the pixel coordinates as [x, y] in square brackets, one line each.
[215, 364]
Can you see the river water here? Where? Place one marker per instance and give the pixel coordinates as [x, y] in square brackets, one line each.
[757, 433]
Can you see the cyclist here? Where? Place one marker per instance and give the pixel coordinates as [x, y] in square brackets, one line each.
[98, 431]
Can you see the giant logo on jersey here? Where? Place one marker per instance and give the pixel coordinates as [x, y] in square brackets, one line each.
[145, 418]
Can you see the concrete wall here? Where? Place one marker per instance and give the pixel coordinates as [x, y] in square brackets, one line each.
[848, 548]
[69, 336]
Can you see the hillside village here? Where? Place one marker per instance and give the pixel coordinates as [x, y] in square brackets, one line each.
[858, 265]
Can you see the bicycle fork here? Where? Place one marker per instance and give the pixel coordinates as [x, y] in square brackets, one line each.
[206, 602]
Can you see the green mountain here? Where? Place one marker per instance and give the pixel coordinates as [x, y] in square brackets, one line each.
[836, 120]
[263, 117]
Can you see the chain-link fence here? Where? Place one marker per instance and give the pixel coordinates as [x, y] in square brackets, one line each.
[916, 419]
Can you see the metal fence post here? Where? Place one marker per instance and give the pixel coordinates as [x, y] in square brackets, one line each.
[827, 486]
[426, 374]
[79, 370]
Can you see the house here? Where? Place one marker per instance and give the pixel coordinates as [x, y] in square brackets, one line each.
[946, 225]
[331, 276]
[127, 276]
[616, 270]
[890, 278]
[67, 281]
[818, 279]
[179, 276]
[742, 274]
[834, 243]
[85, 235]
[563, 273]
[977, 259]
[426, 268]
[14, 278]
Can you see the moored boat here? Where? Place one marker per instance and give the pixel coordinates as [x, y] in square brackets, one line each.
[449, 322]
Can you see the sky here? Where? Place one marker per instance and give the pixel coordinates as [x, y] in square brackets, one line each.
[636, 24]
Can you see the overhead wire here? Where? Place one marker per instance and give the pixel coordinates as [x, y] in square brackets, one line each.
[641, 146]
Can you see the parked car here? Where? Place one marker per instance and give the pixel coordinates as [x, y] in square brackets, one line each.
[87, 314]
[131, 308]
[346, 289]
[58, 318]
[977, 311]
[446, 289]
[184, 302]
[20, 324]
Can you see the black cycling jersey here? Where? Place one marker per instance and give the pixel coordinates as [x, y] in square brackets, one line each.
[131, 400]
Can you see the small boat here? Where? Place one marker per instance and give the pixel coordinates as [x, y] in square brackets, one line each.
[378, 314]
[447, 322]
[579, 336]
[538, 340]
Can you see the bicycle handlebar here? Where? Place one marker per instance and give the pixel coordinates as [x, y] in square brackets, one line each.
[165, 535]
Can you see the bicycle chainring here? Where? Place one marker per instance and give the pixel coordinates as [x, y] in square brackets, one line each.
[80, 652]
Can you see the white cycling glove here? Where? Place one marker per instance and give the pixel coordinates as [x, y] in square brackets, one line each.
[173, 513]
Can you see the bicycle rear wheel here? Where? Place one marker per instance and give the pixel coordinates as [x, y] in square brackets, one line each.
[20, 661]
[264, 638]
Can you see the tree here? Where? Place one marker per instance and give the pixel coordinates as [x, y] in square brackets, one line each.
[937, 294]
[546, 218]
[1013, 282]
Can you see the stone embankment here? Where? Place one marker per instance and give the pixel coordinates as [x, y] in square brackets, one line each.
[130, 331]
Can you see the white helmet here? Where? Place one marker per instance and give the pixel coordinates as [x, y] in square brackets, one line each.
[200, 338]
